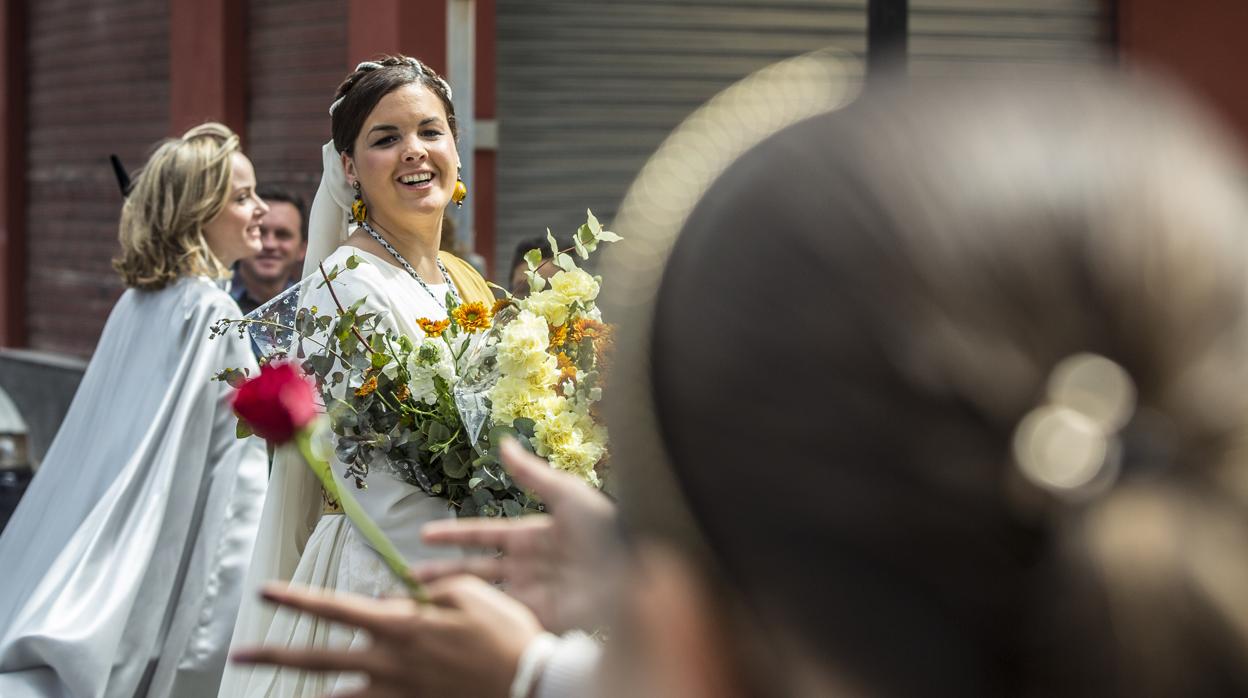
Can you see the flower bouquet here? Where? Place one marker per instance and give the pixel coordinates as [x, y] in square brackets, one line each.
[432, 409]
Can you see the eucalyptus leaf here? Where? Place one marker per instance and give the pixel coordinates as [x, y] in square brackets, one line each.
[533, 258]
[242, 430]
[581, 250]
[554, 244]
[346, 450]
[353, 262]
[523, 425]
[454, 464]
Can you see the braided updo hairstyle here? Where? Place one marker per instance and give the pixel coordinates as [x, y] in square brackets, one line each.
[360, 92]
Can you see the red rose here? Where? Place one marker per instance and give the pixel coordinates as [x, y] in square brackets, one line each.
[277, 403]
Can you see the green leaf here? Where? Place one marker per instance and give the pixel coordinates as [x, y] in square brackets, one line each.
[380, 359]
[554, 244]
[455, 465]
[353, 262]
[533, 258]
[357, 304]
[537, 282]
[523, 425]
[593, 223]
[566, 263]
[242, 430]
[234, 377]
[512, 508]
[498, 433]
[608, 236]
[438, 432]
[583, 241]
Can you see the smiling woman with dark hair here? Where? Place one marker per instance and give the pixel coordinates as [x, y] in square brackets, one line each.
[389, 175]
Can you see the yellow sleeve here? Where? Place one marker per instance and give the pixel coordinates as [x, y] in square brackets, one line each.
[468, 281]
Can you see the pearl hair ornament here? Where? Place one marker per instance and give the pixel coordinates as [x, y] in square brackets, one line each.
[1070, 446]
[420, 68]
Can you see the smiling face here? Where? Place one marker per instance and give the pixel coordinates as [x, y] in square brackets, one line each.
[234, 233]
[405, 158]
[283, 245]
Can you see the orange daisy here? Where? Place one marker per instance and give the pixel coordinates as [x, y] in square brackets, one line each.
[587, 328]
[558, 334]
[567, 369]
[433, 328]
[367, 389]
[472, 317]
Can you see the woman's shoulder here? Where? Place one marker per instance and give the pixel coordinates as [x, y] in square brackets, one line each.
[194, 295]
[472, 286]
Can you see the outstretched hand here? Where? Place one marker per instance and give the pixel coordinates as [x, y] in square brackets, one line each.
[558, 564]
[467, 642]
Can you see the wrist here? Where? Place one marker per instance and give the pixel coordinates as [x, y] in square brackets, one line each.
[529, 667]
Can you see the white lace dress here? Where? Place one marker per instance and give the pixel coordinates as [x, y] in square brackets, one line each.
[300, 543]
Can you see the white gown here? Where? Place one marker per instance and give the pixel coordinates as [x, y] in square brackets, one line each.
[124, 562]
[300, 545]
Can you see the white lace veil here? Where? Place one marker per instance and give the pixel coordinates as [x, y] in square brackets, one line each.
[327, 221]
[293, 504]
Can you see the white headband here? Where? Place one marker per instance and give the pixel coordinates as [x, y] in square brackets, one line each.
[420, 68]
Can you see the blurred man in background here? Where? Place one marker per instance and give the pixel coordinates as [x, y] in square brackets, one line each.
[284, 234]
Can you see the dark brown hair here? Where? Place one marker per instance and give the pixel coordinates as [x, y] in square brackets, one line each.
[273, 193]
[838, 403]
[360, 92]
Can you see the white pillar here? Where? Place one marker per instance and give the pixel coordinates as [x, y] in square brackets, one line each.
[461, 49]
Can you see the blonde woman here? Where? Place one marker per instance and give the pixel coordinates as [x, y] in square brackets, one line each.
[123, 563]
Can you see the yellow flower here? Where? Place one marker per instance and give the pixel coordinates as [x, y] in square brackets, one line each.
[588, 328]
[472, 317]
[567, 369]
[572, 443]
[433, 328]
[558, 335]
[523, 341]
[369, 386]
[403, 393]
[574, 286]
[549, 305]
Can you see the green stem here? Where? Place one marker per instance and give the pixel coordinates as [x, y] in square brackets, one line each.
[361, 520]
[329, 285]
[280, 326]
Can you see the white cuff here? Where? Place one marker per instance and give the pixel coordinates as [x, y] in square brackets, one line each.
[529, 668]
[570, 668]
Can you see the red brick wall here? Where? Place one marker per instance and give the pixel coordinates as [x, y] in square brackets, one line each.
[1198, 42]
[296, 58]
[98, 84]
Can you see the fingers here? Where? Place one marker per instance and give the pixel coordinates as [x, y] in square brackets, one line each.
[349, 609]
[535, 474]
[454, 592]
[308, 660]
[481, 533]
[488, 568]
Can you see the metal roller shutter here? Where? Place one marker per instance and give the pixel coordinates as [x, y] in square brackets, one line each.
[588, 90]
[950, 38]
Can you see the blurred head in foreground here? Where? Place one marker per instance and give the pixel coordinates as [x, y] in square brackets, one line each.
[968, 421]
